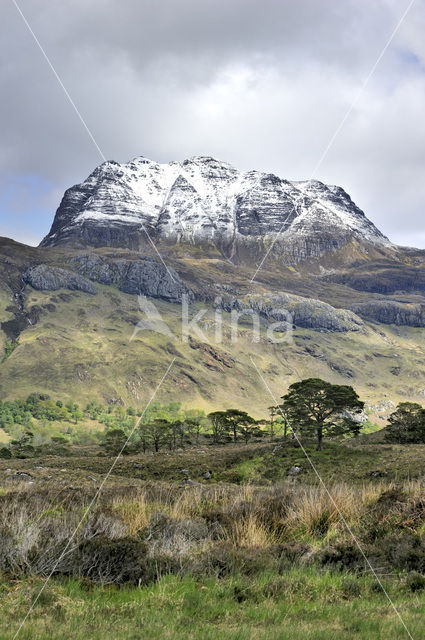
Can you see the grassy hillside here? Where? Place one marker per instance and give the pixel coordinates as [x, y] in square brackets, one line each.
[81, 348]
[78, 346]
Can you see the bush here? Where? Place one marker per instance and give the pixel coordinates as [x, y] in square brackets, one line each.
[106, 561]
[224, 560]
[5, 453]
[415, 581]
[351, 588]
[233, 476]
[405, 551]
[288, 554]
[342, 556]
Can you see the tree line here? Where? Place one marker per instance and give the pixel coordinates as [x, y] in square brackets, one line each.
[311, 408]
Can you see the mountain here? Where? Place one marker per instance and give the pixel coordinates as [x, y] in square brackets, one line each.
[203, 200]
[72, 322]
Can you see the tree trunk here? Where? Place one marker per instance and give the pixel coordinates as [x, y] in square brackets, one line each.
[319, 438]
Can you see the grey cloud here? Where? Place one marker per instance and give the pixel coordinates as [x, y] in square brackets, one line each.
[258, 83]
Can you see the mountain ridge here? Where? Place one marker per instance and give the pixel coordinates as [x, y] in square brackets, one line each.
[204, 200]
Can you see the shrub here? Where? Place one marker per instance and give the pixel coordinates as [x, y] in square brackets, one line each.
[224, 560]
[106, 561]
[351, 588]
[5, 453]
[288, 554]
[342, 556]
[405, 551]
[415, 581]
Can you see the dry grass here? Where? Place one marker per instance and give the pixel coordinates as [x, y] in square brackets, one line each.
[177, 526]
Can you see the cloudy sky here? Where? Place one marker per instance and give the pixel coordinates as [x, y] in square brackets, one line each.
[262, 84]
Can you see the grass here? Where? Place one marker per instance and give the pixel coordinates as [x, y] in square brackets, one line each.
[351, 462]
[9, 349]
[216, 560]
[302, 605]
[215, 529]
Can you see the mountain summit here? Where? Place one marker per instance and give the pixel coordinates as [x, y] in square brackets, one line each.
[204, 200]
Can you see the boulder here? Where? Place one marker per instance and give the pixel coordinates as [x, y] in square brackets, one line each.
[294, 470]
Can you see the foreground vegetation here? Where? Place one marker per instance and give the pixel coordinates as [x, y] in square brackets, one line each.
[302, 605]
[197, 535]
[137, 532]
[172, 560]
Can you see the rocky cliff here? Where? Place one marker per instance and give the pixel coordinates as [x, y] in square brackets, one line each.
[204, 200]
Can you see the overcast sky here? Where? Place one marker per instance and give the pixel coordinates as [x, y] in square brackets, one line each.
[259, 83]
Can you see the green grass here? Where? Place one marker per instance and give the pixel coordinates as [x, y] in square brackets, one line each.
[9, 349]
[350, 462]
[301, 605]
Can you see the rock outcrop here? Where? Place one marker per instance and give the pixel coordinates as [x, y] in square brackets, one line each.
[302, 312]
[145, 276]
[389, 280]
[47, 278]
[392, 312]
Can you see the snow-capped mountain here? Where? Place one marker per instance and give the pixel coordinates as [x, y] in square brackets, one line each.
[205, 200]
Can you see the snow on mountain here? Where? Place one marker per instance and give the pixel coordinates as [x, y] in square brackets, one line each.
[204, 199]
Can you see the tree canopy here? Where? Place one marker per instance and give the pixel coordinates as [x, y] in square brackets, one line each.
[231, 422]
[406, 424]
[316, 407]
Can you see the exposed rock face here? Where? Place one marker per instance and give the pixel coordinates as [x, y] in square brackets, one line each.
[47, 278]
[145, 276]
[303, 312]
[387, 280]
[204, 200]
[392, 312]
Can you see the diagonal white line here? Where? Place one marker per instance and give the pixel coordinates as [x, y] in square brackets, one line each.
[157, 252]
[83, 122]
[362, 88]
[96, 495]
[342, 123]
[46, 57]
[341, 515]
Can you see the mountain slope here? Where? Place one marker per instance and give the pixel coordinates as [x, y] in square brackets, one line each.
[85, 347]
